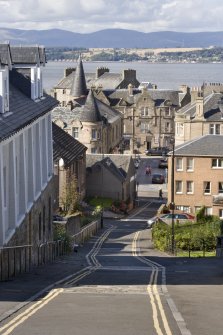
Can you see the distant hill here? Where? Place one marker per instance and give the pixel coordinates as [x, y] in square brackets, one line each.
[112, 38]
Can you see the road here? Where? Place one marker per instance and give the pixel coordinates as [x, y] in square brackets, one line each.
[126, 287]
[146, 188]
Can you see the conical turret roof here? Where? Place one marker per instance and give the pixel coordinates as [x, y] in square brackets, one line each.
[91, 110]
[79, 87]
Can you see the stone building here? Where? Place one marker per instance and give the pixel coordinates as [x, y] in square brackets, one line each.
[202, 116]
[148, 114]
[26, 153]
[198, 175]
[102, 78]
[69, 157]
[106, 170]
[89, 120]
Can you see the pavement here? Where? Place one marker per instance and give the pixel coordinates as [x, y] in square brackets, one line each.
[21, 290]
[17, 292]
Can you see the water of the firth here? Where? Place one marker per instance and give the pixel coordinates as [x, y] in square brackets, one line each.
[166, 76]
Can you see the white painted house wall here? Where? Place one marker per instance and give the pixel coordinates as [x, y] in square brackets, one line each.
[26, 166]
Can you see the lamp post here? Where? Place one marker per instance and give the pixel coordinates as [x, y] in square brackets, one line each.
[172, 205]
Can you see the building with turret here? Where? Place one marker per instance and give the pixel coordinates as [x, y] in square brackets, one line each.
[89, 120]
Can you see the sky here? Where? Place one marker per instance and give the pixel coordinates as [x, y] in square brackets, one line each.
[85, 16]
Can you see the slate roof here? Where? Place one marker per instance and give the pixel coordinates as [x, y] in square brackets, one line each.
[85, 114]
[158, 96]
[65, 146]
[25, 55]
[79, 87]
[212, 108]
[91, 108]
[23, 111]
[108, 80]
[208, 145]
[118, 165]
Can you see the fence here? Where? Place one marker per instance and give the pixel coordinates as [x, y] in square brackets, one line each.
[20, 259]
[87, 232]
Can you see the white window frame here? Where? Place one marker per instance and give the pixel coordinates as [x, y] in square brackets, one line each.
[190, 187]
[190, 167]
[75, 132]
[179, 129]
[221, 213]
[144, 127]
[179, 190]
[179, 167]
[219, 163]
[205, 187]
[214, 129]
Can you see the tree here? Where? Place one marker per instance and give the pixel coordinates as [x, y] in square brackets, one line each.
[70, 195]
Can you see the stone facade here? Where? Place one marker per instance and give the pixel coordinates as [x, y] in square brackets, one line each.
[202, 116]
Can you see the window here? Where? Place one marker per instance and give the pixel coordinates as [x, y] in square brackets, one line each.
[221, 213]
[217, 163]
[190, 164]
[179, 186]
[179, 129]
[185, 209]
[93, 150]
[144, 127]
[167, 112]
[190, 187]
[75, 132]
[167, 126]
[207, 187]
[220, 187]
[208, 211]
[144, 111]
[179, 164]
[214, 129]
[64, 91]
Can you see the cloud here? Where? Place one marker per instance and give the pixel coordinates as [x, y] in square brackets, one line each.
[88, 15]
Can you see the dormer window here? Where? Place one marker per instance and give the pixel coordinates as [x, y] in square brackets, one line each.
[4, 91]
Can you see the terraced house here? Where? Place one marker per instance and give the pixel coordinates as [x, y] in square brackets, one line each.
[198, 175]
[26, 152]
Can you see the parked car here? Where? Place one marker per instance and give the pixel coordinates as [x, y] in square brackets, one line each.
[160, 151]
[57, 217]
[163, 163]
[181, 218]
[154, 219]
[167, 218]
[158, 178]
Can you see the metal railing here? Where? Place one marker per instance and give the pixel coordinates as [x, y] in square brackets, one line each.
[87, 232]
[19, 259]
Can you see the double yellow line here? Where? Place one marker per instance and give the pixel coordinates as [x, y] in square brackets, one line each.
[93, 266]
[156, 304]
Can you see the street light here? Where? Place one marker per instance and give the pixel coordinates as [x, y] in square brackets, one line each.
[172, 205]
